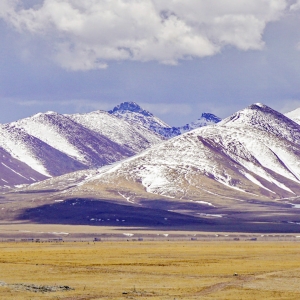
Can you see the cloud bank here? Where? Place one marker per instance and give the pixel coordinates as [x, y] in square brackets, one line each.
[88, 34]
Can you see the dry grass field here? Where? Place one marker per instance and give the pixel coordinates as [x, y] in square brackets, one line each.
[150, 270]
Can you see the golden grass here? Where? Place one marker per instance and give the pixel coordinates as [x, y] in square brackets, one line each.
[153, 270]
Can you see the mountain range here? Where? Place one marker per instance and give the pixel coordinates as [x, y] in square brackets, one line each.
[135, 115]
[241, 173]
[253, 154]
[51, 144]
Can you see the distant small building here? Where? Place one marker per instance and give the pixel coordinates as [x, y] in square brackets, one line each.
[55, 240]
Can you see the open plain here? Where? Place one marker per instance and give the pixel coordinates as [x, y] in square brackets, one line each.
[150, 270]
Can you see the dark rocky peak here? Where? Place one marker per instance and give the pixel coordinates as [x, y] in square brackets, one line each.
[210, 117]
[130, 107]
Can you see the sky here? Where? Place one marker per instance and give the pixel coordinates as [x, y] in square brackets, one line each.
[176, 58]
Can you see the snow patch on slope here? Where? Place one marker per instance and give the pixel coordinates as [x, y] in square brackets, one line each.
[50, 128]
[134, 137]
[21, 146]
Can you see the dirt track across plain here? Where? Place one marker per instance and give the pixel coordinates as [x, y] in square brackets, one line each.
[150, 270]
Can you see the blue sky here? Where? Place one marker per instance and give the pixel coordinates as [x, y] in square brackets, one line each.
[176, 58]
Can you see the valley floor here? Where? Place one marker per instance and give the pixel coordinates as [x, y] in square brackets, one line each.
[20, 231]
[150, 270]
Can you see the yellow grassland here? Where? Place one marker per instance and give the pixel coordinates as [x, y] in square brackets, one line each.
[153, 270]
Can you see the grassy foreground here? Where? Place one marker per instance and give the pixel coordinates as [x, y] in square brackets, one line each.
[151, 270]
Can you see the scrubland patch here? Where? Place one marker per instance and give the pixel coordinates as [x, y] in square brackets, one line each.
[151, 270]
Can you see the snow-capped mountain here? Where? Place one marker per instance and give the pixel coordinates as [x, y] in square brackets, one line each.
[253, 154]
[51, 144]
[133, 137]
[205, 120]
[242, 174]
[294, 115]
[265, 119]
[134, 114]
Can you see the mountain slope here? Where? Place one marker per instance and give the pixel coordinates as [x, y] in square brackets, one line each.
[65, 135]
[133, 137]
[13, 171]
[36, 154]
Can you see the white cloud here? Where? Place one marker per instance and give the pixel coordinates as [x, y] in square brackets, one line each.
[88, 34]
[295, 6]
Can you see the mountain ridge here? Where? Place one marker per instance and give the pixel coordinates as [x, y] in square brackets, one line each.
[134, 114]
[53, 144]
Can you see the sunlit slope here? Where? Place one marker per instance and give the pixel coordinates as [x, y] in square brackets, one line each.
[132, 137]
[73, 139]
[34, 154]
[50, 144]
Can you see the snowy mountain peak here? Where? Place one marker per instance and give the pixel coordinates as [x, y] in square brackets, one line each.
[130, 107]
[132, 113]
[253, 115]
[260, 107]
[204, 120]
[259, 104]
[294, 115]
[264, 118]
[49, 112]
